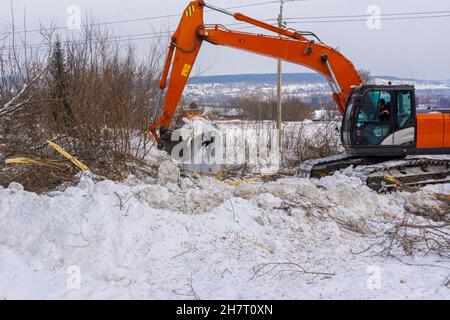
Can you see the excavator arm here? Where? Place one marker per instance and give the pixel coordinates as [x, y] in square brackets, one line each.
[288, 45]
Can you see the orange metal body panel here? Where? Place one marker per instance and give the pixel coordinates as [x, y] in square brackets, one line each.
[430, 130]
[446, 130]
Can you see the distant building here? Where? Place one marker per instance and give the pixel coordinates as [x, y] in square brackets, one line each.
[325, 114]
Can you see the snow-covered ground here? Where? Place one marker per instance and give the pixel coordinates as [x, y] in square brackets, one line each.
[200, 238]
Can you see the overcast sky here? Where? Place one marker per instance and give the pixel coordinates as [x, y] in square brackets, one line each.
[406, 48]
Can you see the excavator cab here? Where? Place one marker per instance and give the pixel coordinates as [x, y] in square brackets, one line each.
[382, 121]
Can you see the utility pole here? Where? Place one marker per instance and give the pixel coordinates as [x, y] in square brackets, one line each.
[279, 85]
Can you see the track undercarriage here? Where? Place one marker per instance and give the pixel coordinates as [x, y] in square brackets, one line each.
[382, 174]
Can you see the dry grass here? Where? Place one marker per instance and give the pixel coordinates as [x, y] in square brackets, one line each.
[257, 108]
[300, 145]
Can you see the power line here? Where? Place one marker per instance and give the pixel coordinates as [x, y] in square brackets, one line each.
[292, 20]
[337, 18]
[147, 18]
[368, 15]
[229, 8]
[130, 37]
[333, 17]
[362, 20]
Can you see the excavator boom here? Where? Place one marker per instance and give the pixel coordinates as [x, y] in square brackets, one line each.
[288, 45]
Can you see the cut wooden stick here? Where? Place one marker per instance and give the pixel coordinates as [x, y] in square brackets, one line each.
[68, 156]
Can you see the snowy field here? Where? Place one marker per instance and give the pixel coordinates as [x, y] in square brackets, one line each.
[202, 238]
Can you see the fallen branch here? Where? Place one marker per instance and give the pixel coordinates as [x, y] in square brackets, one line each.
[67, 155]
[446, 282]
[13, 105]
[399, 185]
[413, 237]
[191, 292]
[266, 268]
[29, 161]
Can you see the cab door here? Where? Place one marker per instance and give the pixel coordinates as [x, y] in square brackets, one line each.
[404, 119]
[373, 128]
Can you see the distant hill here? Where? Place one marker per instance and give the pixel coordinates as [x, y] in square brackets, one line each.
[296, 78]
[267, 78]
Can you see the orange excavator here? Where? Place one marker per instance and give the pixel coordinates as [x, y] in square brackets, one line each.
[379, 121]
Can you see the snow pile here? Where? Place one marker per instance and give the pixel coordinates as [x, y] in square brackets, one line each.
[168, 172]
[269, 201]
[424, 204]
[204, 238]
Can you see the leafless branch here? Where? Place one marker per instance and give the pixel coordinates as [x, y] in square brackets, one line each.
[283, 267]
[13, 105]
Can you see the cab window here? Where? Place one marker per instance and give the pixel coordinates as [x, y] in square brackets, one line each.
[374, 106]
[405, 110]
[373, 124]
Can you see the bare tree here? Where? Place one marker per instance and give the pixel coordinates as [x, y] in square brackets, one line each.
[91, 95]
[366, 76]
[260, 108]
